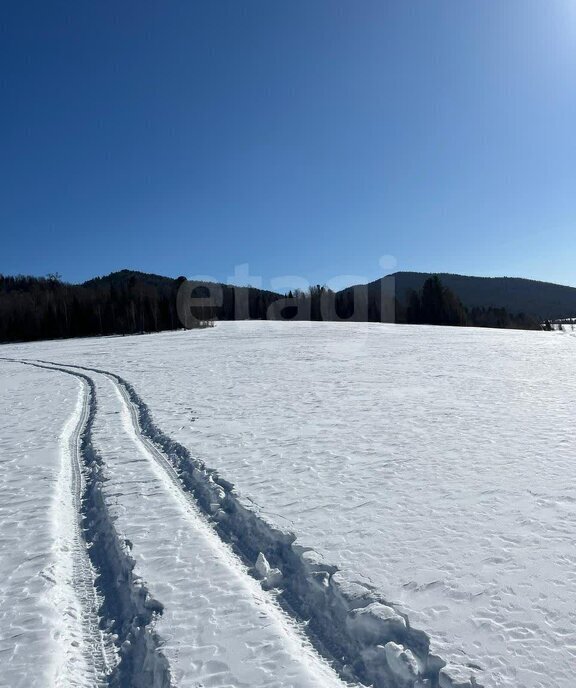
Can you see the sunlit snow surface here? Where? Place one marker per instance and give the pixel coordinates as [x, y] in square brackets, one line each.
[218, 628]
[435, 464]
[40, 644]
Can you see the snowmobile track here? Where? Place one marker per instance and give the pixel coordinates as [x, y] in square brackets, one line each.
[112, 607]
[361, 634]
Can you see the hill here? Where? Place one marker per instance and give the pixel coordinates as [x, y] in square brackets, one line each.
[541, 300]
[127, 302]
[124, 302]
[122, 277]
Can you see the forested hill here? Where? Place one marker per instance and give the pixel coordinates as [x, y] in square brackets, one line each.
[540, 300]
[125, 302]
[129, 302]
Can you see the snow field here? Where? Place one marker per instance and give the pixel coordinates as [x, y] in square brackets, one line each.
[433, 466]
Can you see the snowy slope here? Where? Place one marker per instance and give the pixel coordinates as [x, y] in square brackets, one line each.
[434, 464]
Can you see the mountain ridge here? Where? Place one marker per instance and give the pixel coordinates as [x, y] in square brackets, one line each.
[536, 298]
[130, 301]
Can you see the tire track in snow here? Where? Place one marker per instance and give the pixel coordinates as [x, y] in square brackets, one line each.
[359, 632]
[97, 569]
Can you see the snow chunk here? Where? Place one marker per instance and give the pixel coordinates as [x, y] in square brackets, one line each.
[376, 624]
[270, 577]
[401, 661]
[262, 566]
[454, 676]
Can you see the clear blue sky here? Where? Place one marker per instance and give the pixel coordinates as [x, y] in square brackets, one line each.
[303, 137]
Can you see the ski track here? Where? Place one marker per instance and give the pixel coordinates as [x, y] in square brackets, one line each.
[106, 638]
[80, 654]
[218, 627]
[88, 656]
[374, 643]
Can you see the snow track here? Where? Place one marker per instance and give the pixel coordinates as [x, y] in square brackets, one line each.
[87, 652]
[94, 583]
[365, 638]
[217, 625]
[86, 656]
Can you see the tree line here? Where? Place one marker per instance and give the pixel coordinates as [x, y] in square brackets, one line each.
[123, 303]
[435, 304]
[127, 302]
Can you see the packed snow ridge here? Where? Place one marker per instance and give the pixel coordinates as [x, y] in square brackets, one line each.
[127, 609]
[366, 638]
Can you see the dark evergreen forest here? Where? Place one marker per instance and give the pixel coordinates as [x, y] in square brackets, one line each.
[128, 302]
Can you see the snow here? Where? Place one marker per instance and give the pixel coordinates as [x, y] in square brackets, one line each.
[217, 626]
[43, 640]
[433, 466]
[401, 661]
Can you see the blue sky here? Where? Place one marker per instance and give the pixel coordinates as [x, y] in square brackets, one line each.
[300, 137]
